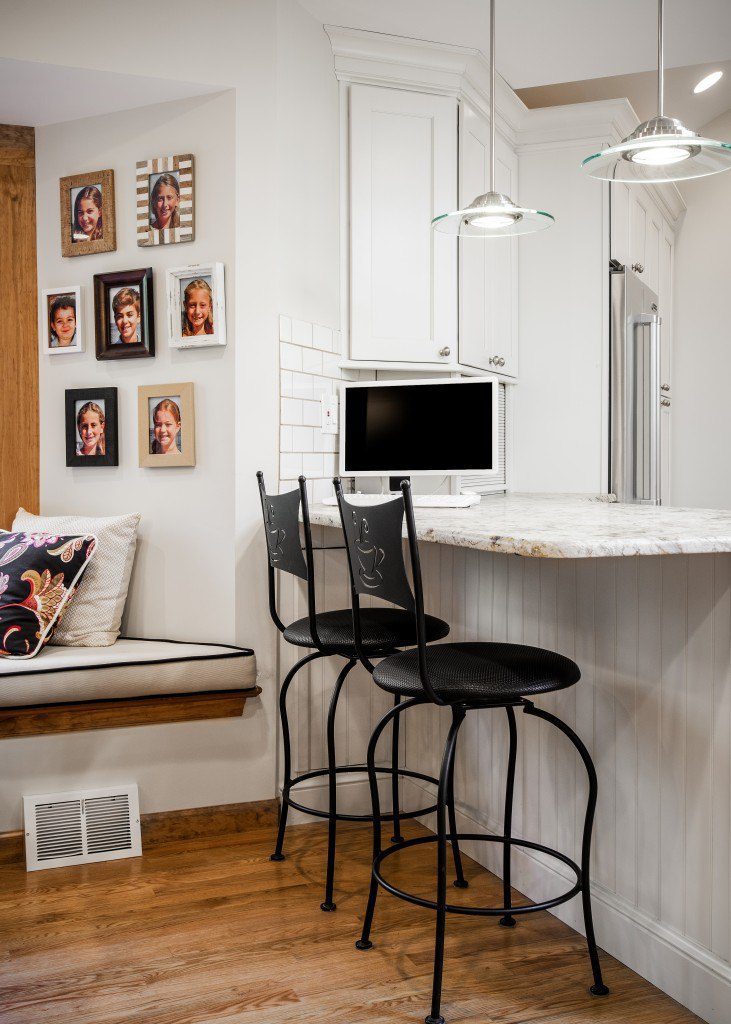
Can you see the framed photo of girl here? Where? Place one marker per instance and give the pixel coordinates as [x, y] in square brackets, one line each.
[165, 200]
[124, 319]
[166, 425]
[196, 306]
[62, 320]
[88, 222]
[91, 427]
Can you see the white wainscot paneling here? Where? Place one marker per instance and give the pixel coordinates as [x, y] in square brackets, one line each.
[652, 637]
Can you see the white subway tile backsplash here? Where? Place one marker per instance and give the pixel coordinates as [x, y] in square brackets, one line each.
[338, 342]
[312, 414]
[285, 384]
[322, 337]
[330, 365]
[302, 439]
[312, 464]
[285, 439]
[290, 465]
[302, 385]
[302, 333]
[322, 386]
[322, 488]
[292, 411]
[290, 356]
[329, 465]
[285, 328]
[312, 360]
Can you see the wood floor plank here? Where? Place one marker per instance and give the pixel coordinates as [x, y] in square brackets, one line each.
[210, 931]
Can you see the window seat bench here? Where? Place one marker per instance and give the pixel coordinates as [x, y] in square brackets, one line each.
[133, 682]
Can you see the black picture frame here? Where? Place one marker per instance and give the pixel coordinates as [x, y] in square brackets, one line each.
[111, 426]
[104, 285]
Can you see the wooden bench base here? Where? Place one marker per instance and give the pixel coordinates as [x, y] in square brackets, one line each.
[48, 719]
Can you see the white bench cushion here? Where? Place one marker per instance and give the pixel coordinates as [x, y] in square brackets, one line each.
[129, 668]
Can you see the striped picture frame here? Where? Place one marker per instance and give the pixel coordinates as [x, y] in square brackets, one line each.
[182, 169]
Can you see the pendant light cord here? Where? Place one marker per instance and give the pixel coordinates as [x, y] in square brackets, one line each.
[660, 59]
[492, 95]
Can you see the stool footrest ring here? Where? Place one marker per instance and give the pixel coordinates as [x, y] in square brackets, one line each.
[357, 769]
[525, 908]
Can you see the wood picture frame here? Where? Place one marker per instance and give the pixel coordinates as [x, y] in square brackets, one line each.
[166, 425]
[57, 318]
[174, 177]
[88, 409]
[88, 215]
[123, 303]
[203, 283]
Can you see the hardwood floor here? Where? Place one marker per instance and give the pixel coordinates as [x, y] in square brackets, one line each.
[212, 931]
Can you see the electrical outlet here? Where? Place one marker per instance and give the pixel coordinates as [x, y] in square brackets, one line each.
[329, 406]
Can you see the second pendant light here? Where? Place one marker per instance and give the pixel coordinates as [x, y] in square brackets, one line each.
[492, 215]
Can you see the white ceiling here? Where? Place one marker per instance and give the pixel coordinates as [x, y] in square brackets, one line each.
[541, 42]
[34, 94]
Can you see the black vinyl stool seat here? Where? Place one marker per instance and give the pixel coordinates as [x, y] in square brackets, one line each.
[383, 629]
[332, 633]
[486, 672]
[462, 677]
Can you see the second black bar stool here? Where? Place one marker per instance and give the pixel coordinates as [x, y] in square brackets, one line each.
[382, 631]
[462, 677]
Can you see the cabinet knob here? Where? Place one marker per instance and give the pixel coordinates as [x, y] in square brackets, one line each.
[665, 401]
[637, 267]
[664, 387]
[446, 351]
[496, 361]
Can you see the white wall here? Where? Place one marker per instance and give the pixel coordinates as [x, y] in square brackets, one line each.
[701, 411]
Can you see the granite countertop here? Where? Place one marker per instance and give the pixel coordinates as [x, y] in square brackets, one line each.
[566, 526]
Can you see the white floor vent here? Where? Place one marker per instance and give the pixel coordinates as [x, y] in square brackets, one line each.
[81, 828]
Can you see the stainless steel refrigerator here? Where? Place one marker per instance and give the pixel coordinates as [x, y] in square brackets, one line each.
[635, 395]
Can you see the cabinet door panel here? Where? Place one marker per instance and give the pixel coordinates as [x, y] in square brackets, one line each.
[665, 442]
[403, 171]
[665, 296]
[638, 229]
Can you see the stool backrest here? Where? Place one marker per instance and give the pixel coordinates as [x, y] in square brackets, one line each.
[281, 514]
[374, 542]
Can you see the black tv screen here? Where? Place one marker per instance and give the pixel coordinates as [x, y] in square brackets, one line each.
[419, 428]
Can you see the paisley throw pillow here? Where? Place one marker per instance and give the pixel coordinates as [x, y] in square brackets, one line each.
[39, 574]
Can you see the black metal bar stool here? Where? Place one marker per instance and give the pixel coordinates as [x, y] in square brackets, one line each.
[382, 631]
[462, 677]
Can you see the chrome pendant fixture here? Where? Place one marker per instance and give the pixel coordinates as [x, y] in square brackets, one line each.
[661, 149]
[492, 215]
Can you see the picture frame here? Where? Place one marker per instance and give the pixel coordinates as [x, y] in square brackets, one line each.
[196, 302]
[88, 215]
[166, 200]
[62, 311]
[124, 314]
[166, 425]
[92, 427]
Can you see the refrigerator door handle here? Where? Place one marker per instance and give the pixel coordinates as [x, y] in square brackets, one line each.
[654, 322]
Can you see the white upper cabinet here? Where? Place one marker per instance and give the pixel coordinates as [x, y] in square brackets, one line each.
[403, 275]
[665, 297]
[487, 268]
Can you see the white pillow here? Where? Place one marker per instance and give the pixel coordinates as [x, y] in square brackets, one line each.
[94, 617]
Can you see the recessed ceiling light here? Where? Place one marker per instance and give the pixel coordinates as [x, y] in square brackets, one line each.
[708, 81]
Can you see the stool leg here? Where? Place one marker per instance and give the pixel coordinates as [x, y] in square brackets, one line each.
[460, 881]
[598, 988]
[435, 1016]
[364, 942]
[396, 837]
[327, 904]
[284, 720]
[507, 920]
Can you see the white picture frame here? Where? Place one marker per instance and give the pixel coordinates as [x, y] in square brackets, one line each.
[188, 324]
[53, 343]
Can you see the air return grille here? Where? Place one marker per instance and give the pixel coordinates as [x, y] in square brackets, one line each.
[80, 828]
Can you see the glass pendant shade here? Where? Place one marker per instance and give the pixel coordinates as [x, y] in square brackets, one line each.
[492, 216]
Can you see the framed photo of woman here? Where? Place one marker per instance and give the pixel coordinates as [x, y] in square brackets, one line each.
[88, 223]
[62, 320]
[166, 425]
[91, 427]
[196, 306]
[166, 200]
[124, 317]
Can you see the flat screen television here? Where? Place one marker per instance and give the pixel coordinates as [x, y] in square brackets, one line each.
[419, 427]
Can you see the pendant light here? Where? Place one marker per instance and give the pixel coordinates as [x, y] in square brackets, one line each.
[661, 149]
[492, 215]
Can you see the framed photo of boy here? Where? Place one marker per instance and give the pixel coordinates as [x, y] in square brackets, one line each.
[165, 200]
[88, 222]
[196, 306]
[166, 425]
[62, 320]
[124, 319]
[91, 427]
